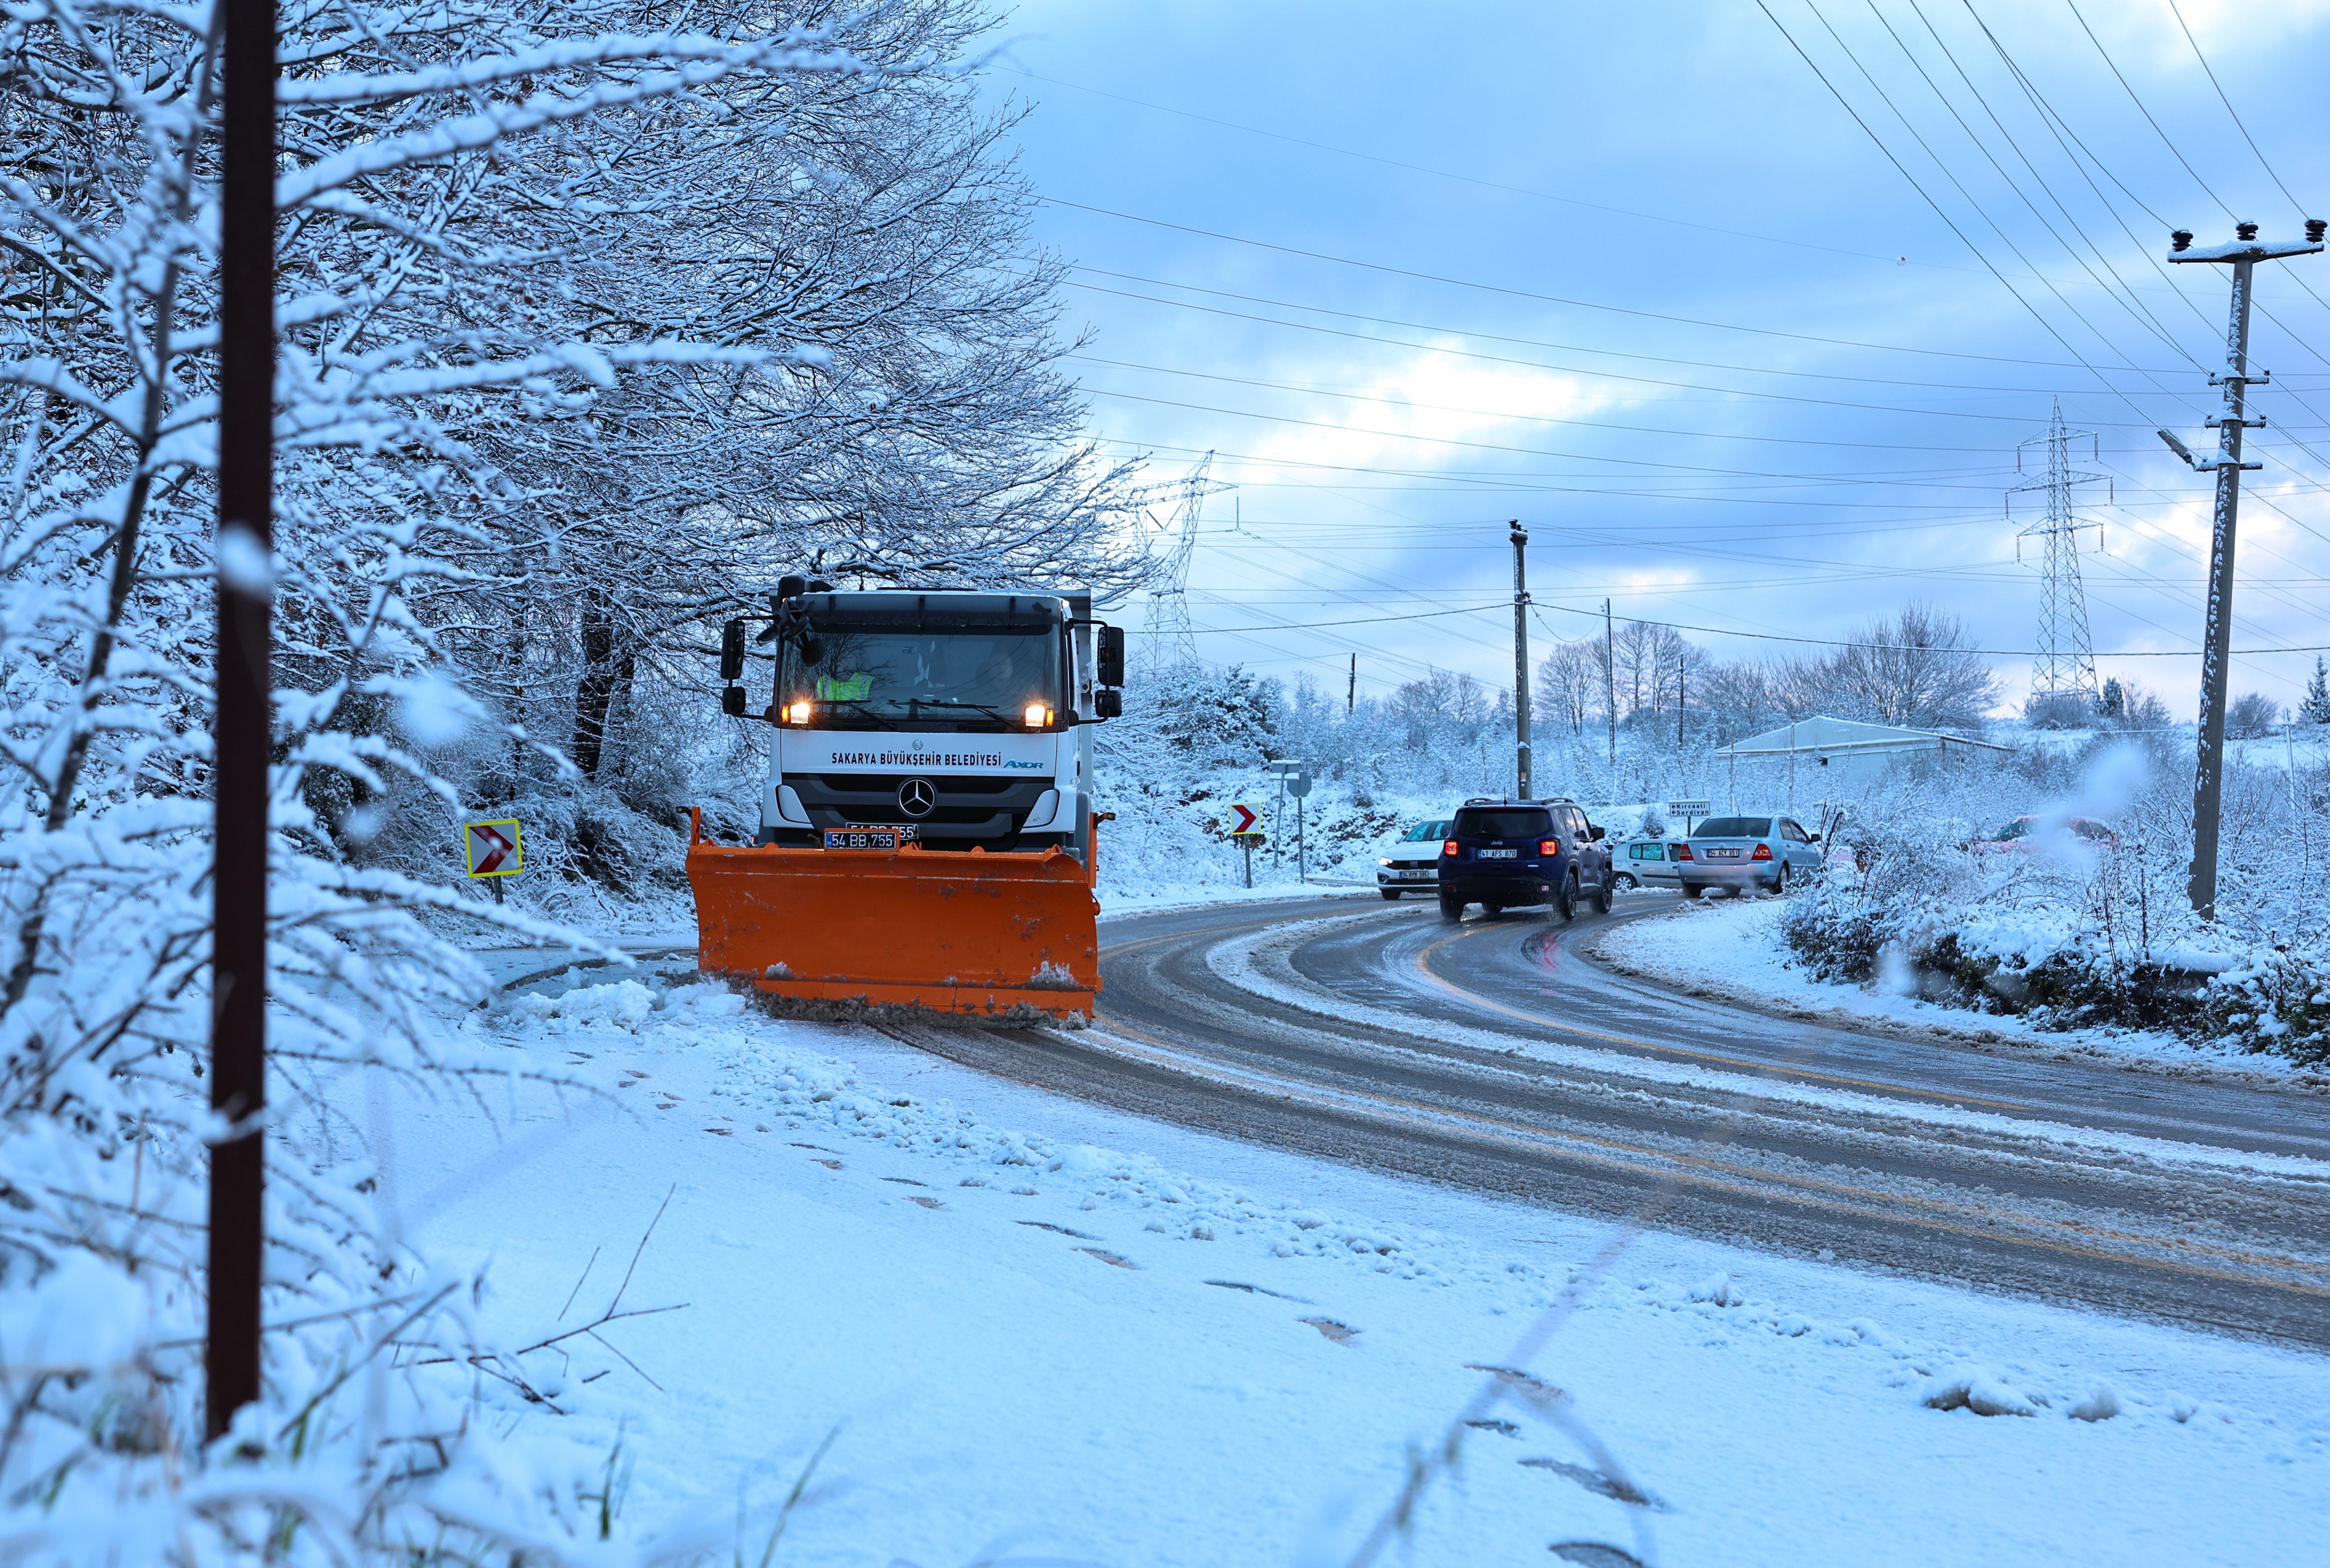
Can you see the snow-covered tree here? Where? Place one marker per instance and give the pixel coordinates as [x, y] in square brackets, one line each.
[550, 322]
[2314, 708]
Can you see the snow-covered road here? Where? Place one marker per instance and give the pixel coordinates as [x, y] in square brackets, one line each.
[1046, 1331]
[1492, 1056]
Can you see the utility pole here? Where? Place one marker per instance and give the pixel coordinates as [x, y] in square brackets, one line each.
[1610, 669]
[246, 544]
[2209, 776]
[1678, 700]
[1520, 656]
[1351, 692]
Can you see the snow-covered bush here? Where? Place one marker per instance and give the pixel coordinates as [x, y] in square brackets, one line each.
[2072, 930]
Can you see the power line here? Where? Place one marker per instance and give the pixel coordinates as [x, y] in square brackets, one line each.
[1587, 348]
[2139, 423]
[1589, 303]
[2230, 110]
[2133, 99]
[1939, 211]
[2017, 653]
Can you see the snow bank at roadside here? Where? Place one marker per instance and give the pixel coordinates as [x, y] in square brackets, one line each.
[1734, 948]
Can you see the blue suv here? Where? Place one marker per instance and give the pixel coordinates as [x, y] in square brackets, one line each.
[1504, 854]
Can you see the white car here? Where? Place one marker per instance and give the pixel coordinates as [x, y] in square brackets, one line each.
[1647, 860]
[1413, 865]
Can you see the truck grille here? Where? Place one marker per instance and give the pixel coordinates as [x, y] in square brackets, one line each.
[984, 807]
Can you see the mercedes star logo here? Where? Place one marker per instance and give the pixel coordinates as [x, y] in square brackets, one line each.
[916, 796]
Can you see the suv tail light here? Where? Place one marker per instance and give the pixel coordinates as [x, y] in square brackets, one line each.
[1763, 852]
[1449, 847]
[1550, 846]
[1682, 852]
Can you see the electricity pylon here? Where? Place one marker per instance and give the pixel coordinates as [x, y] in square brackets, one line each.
[2066, 664]
[1170, 641]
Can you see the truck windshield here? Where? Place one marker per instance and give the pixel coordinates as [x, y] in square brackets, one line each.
[901, 678]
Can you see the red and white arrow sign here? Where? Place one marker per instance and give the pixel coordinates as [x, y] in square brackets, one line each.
[492, 846]
[1244, 820]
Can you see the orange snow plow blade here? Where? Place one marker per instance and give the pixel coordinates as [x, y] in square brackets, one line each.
[953, 930]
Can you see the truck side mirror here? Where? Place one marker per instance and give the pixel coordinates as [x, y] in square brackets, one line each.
[1112, 657]
[1108, 702]
[732, 700]
[791, 587]
[732, 650]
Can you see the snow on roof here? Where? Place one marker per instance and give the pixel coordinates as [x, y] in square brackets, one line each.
[1828, 737]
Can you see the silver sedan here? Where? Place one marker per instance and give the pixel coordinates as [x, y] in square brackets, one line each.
[1771, 853]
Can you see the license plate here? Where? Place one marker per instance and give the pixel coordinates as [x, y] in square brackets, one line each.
[1495, 854]
[868, 838]
[1412, 876]
[1722, 854]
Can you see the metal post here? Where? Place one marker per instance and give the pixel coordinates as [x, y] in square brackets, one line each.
[2216, 646]
[1301, 864]
[1610, 669]
[1278, 826]
[246, 539]
[1679, 698]
[1351, 693]
[1245, 842]
[1521, 660]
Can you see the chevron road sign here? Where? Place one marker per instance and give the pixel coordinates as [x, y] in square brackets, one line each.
[493, 848]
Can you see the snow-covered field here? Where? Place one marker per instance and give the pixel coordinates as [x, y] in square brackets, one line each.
[1734, 948]
[1033, 1331]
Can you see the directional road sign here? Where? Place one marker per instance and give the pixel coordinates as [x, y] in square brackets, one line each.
[493, 848]
[1691, 808]
[1243, 820]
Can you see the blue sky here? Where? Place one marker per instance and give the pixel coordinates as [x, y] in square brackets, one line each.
[1648, 288]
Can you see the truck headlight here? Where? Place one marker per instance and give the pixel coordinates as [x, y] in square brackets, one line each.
[1037, 715]
[797, 713]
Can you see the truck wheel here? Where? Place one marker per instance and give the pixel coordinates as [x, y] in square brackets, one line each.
[1602, 896]
[1391, 896]
[1451, 908]
[1564, 902]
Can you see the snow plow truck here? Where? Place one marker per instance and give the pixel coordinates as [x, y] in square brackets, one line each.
[927, 836]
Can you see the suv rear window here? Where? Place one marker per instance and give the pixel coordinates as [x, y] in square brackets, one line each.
[1733, 827]
[1516, 824]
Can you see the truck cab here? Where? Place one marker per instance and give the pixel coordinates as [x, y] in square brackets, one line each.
[952, 719]
[926, 836]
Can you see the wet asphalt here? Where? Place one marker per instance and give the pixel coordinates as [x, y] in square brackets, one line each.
[1498, 1056]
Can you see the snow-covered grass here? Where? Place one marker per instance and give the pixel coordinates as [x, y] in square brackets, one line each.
[1735, 948]
[1030, 1329]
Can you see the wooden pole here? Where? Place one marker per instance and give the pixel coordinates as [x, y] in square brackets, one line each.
[245, 542]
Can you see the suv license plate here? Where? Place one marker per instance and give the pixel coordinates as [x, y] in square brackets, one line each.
[1496, 854]
[868, 838]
